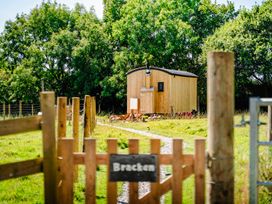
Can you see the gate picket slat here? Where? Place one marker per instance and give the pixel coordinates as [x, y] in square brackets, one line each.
[90, 171]
[111, 186]
[66, 171]
[61, 118]
[75, 129]
[155, 187]
[177, 171]
[199, 171]
[133, 186]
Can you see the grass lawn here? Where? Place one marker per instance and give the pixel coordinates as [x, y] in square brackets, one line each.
[29, 189]
[190, 129]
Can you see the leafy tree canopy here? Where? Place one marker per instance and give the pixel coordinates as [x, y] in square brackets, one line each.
[249, 36]
[66, 48]
[165, 33]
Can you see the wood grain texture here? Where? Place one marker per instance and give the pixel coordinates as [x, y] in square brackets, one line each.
[75, 129]
[22, 168]
[177, 171]
[61, 119]
[14, 126]
[199, 170]
[180, 92]
[111, 186]
[155, 146]
[90, 171]
[49, 147]
[133, 186]
[66, 171]
[220, 127]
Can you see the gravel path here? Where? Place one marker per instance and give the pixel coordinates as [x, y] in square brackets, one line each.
[144, 187]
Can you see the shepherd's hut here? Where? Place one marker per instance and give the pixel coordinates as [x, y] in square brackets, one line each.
[160, 90]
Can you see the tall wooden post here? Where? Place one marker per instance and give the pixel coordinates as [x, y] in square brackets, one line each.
[20, 108]
[87, 119]
[269, 123]
[220, 127]
[61, 133]
[9, 110]
[4, 111]
[32, 109]
[75, 128]
[49, 147]
[87, 116]
[61, 111]
[93, 114]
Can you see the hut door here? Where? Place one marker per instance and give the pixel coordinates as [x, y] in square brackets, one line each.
[147, 100]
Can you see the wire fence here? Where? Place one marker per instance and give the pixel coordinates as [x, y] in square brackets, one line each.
[20, 109]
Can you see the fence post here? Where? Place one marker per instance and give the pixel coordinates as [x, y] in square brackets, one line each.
[199, 168]
[269, 123]
[49, 147]
[9, 110]
[32, 109]
[20, 108]
[75, 129]
[87, 118]
[4, 111]
[93, 114]
[220, 127]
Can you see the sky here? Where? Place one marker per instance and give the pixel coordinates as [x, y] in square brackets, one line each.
[10, 8]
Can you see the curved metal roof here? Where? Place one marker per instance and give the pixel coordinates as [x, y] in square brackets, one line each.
[169, 71]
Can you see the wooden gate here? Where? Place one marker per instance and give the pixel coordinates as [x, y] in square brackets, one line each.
[255, 144]
[69, 157]
[183, 165]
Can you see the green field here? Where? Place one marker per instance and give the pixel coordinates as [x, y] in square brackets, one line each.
[29, 189]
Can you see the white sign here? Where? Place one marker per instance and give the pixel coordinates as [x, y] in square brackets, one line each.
[133, 104]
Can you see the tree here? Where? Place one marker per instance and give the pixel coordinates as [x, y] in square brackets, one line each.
[66, 48]
[23, 85]
[249, 37]
[165, 33]
[4, 85]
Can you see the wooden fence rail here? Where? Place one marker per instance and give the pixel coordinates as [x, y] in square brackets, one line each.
[47, 164]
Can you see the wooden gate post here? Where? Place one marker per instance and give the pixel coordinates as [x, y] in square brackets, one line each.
[220, 127]
[49, 147]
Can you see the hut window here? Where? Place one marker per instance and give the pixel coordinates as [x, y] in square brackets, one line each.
[160, 86]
